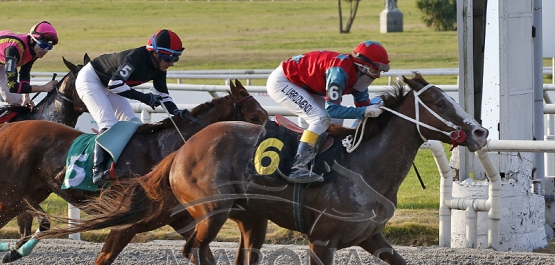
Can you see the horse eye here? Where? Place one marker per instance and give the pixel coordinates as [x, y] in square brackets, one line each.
[441, 105]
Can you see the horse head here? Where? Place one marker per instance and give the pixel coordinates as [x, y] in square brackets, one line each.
[67, 86]
[246, 108]
[436, 115]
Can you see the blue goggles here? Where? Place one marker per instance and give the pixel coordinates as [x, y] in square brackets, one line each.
[170, 58]
[44, 45]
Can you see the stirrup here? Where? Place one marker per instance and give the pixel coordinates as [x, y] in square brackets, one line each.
[303, 175]
[100, 177]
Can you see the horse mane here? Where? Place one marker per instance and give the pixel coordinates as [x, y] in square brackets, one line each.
[167, 123]
[392, 98]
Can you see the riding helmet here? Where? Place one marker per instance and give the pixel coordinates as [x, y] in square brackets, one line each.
[166, 42]
[369, 52]
[44, 31]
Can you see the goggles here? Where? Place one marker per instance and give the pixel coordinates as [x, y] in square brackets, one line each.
[170, 58]
[375, 70]
[44, 45]
[45, 40]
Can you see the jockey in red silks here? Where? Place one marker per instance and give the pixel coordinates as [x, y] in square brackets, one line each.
[22, 50]
[105, 85]
[311, 85]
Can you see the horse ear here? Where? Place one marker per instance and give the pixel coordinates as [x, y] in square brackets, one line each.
[412, 83]
[238, 84]
[86, 58]
[69, 65]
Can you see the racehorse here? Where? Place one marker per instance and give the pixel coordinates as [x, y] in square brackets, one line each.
[209, 177]
[61, 105]
[22, 146]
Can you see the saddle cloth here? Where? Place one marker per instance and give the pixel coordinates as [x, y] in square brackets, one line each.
[79, 162]
[275, 151]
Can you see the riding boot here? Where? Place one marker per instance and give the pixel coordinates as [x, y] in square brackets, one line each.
[100, 160]
[300, 173]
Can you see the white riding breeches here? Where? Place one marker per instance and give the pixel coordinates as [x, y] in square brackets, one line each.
[309, 107]
[105, 107]
[7, 96]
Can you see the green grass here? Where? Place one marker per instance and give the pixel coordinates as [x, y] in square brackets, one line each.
[249, 35]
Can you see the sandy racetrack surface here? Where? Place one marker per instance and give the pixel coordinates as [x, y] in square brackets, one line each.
[67, 252]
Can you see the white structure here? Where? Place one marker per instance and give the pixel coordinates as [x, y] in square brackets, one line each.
[511, 104]
[391, 18]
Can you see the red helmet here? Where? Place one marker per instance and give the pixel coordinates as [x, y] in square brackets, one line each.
[45, 32]
[165, 42]
[368, 52]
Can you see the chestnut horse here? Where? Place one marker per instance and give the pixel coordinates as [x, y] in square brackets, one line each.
[33, 157]
[61, 105]
[209, 177]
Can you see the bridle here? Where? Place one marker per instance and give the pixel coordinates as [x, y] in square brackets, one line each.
[458, 136]
[237, 104]
[62, 96]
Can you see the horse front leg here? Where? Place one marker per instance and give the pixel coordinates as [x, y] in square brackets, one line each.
[253, 232]
[322, 254]
[378, 246]
[24, 222]
[114, 244]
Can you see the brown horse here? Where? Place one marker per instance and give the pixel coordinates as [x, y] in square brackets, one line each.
[209, 177]
[61, 105]
[23, 145]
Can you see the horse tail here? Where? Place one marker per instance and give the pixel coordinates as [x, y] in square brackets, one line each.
[127, 202]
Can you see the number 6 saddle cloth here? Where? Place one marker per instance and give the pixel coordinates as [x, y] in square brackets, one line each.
[276, 147]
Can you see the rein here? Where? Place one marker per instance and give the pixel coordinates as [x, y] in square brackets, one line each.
[457, 136]
[64, 97]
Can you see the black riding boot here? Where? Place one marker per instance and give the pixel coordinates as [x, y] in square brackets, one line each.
[100, 160]
[300, 173]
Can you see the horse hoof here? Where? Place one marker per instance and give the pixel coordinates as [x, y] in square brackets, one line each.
[11, 256]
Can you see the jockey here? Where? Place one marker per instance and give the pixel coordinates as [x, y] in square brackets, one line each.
[105, 85]
[311, 85]
[22, 50]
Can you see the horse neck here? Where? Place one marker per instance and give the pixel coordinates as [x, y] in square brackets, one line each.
[388, 156]
[59, 111]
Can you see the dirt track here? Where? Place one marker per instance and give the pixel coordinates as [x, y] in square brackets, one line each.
[68, 252]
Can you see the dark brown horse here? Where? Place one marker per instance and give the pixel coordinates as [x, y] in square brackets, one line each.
[22, 146]
[209, 177]
[61, 105]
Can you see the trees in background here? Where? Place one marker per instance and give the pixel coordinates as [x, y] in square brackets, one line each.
[439, 14]
[353, 4]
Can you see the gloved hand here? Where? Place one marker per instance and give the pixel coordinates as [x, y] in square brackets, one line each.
[373, 111]
[182, 113]
[152, 100]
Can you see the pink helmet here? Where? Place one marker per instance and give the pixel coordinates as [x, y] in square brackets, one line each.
[44, 31]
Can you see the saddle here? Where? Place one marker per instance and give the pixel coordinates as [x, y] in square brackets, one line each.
[7, 113]
[79, 162]
[288, 124]
[276, 147]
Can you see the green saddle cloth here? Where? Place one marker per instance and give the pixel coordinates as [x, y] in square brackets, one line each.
[79, 162]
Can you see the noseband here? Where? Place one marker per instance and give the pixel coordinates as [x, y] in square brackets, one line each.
[458, 136]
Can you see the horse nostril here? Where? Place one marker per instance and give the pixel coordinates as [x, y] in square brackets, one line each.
[481, 133]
